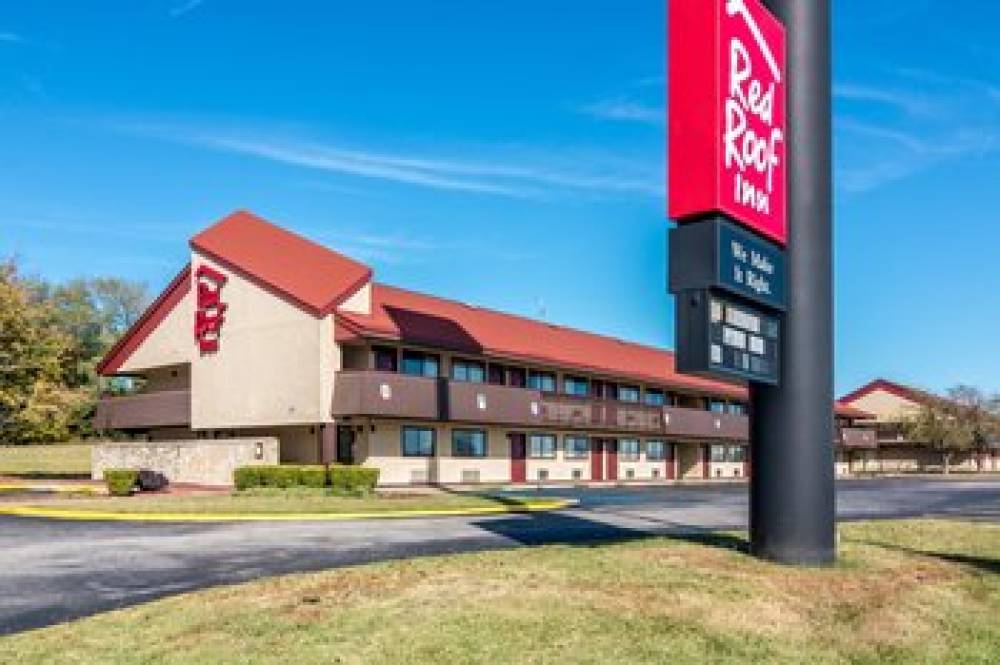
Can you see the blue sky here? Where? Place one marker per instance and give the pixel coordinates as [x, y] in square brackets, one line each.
[505, 154]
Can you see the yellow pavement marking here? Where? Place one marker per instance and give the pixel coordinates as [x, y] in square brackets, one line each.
[101, 516]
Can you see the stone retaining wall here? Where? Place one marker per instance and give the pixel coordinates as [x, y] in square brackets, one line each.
[199, 461]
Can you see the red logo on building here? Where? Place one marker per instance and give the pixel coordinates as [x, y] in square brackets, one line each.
[209, 309]
[727, 113]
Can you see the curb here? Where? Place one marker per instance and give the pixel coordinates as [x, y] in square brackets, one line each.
[14, 488]
[105, 516]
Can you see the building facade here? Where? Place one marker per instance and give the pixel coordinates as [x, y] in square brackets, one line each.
[267, 334]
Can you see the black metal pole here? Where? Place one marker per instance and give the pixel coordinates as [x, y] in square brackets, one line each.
[792, 494]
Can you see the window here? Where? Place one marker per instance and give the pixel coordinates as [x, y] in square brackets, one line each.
[468, 443]
[576, 447]
[654, 398]
[628, 450]
[420, 364]
[737, 454]
[628, 394]
[517, 376]
[468, 370]
[737, 409]
[718, 453]
[497, 374]
[418, 442]
[656, 451]
[544, 381]
[385, 358]
[732, 454]
[715, 406]
[542, 446]
[575, 385]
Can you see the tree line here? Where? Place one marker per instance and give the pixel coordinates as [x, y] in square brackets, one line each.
[52, 335]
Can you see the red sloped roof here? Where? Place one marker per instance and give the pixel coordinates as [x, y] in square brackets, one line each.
[914, 395]
[316, 278]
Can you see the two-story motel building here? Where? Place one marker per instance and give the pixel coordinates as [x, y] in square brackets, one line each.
[266, 333]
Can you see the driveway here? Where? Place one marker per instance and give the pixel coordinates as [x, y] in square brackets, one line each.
[52, 571]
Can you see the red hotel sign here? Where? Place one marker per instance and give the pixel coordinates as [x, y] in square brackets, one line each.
[727, 113]
[209, 308]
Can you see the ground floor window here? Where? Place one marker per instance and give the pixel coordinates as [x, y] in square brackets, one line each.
[656, 451]
[734, 454]
[576, 447]
[418, 442]
[542, 446]
[468, 443]
[628, 450]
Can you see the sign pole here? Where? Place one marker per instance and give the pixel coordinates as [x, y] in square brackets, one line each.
[792, 492]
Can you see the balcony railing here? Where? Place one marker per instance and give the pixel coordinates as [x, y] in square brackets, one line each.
[858, 437]
[168, 408]
[388, 394]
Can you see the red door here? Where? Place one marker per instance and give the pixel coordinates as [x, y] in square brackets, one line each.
[518, 457]
[597, 459]
[612, 447]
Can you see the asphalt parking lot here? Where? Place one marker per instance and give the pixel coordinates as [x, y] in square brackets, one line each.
[52, 571]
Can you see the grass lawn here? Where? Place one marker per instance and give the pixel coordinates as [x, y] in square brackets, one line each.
[903, 592]
[274, 501]
[61, 460]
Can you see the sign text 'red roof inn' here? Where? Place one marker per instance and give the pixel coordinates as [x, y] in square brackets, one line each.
[726, 63]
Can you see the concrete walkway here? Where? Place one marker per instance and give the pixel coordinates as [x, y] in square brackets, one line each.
[53, 571]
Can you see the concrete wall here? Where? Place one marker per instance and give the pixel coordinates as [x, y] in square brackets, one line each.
[204, 462]
[274, 365]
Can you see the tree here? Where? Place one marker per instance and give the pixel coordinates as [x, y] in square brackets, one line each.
[966, 420]
[36, 403]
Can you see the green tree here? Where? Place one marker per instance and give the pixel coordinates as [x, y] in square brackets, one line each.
[967, 419]
[36, 402]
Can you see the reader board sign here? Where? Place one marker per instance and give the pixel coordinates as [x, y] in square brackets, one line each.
[726, 80]
[715, 253]
[721, 336]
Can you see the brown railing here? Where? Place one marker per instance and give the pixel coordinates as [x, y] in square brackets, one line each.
[168, 408]
[388, 394]
[858, 437]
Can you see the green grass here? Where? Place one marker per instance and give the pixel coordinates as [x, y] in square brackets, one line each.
[63, 460]
[292, 500]
[903, 592]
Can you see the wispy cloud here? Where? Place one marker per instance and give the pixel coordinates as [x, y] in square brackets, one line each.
[504, 178]
[10, 38]
[621, 108]
[185, 7]
[908, 102]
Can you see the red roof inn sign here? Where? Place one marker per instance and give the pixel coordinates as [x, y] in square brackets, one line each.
[727, 113]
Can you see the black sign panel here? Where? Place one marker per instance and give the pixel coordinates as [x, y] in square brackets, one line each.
[714, 253]
[719, 335]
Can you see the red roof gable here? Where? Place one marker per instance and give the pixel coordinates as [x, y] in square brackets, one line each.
[314, 277]
[898, 389]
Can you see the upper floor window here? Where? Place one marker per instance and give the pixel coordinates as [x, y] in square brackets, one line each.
[716, 406]
[544, 381]
[654, 398]
[575, 385]
[576, 447]
[517, 377]
[497, 374]
[418, 441]
[737, 409]
[468, 443]
[420, 364]
[468, 370]
[656, 451]
[628, 394]
[628, 450]
[384, 358]
[542, 446]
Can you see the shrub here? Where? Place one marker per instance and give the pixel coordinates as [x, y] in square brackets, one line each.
[246, 477]
[121, 482]
[312, 475]
[353, 478]
[279, 475]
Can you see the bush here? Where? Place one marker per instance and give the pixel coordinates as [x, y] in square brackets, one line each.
[353, 478]
[246, 477]
[278, 475]
[121, 482]
[312, 475]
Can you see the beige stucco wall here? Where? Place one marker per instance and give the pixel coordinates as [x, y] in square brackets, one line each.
[200, 461]
[176, 377]
[274, 365]
[360, 301]
[170, 343]
[885, 406]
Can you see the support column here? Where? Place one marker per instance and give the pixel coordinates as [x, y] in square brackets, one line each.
[792, 494]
